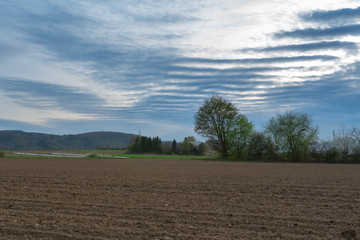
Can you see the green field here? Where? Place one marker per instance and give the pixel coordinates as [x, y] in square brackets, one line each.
[98, 154]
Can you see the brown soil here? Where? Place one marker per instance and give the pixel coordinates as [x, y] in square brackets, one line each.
[176, 199]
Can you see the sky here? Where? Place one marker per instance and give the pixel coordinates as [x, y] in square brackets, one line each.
[76, 66]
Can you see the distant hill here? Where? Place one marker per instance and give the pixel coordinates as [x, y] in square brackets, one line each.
[19, 140]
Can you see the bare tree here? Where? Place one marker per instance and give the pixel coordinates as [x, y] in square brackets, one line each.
[343, 141]
[355, 134]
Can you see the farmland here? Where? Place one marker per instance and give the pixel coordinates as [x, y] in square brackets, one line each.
[55, 198]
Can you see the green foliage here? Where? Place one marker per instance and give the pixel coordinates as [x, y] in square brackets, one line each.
[2, 154]
[190, 147]
[356, 154]
[332, 155]
[146, 145]
[261, 148]
[203, 148]
[174, 146]
[214, 121]
[293, 134]
[92, 155]
[239, 132]
[290, 136]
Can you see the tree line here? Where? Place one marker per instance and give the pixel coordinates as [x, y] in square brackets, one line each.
[146, 145]
[190, 146]
[290, 136]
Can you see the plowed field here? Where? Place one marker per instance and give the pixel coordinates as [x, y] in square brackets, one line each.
[176, 199]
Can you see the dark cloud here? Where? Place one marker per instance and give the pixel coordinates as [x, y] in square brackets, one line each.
[257, 60]
[44, 95]
[313, 46]
[339, 15]
[314, 33]
[233, 70]
[335, 90]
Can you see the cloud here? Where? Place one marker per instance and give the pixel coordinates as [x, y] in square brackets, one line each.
[32, 94]
[314, 33]
[345, 15]
[257, 60]
[313, 46]
[36, 115]
[166, 19]
[146, 63]
[329, 90]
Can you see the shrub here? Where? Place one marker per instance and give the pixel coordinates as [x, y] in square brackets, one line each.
[261, 148]
[92, 155]
[2, 154]
[333, 155]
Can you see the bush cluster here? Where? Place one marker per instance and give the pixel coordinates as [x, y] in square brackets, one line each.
[342, 148]
[190, 146]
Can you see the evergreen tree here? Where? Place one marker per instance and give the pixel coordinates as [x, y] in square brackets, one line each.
[174, 146]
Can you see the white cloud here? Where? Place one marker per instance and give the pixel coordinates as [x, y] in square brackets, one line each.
[242, 24]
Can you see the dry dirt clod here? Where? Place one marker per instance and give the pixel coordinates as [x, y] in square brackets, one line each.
[168, 238]
[349, 234]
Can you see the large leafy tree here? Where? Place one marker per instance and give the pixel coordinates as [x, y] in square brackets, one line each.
[293, 133]
[239, 134]
[215, 120]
